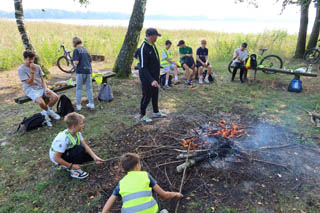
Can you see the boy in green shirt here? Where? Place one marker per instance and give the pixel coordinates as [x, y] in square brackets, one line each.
[187, 61]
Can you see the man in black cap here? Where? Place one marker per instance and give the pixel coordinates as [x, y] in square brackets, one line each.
[149, 72]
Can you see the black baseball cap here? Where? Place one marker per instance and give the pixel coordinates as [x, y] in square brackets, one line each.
[151, 32]
[181, 42]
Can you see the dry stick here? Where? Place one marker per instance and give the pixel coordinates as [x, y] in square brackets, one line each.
[268, 162]
[183, 177]
[165, 172]
[172, 162]
[276, 147]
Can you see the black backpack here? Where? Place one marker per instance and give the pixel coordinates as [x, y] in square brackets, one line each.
[253, 61]
[64, 106]
[35, 121]
[163, 80]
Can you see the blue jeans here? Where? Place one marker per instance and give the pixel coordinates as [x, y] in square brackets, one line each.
[83, 79]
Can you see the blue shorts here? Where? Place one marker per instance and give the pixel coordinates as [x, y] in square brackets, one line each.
[169, 68]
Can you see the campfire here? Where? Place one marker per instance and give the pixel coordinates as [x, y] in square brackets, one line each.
[211, 143]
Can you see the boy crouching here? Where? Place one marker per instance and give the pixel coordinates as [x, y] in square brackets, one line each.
[135, 189]
[70, 150]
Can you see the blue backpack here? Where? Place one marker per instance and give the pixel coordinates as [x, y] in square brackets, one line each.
[295, 85]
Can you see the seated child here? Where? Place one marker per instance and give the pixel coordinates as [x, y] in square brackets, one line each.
[70, 150]
[35, 87]
[169, 64]
[203, 62]
[135, 188]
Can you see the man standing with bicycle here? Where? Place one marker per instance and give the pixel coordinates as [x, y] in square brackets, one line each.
[149, 73]
[239, 57]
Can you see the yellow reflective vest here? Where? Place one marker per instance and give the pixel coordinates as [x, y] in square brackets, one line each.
[136, 193]
[164, 62]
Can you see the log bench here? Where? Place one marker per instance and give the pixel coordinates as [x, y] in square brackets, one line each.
[106, 75]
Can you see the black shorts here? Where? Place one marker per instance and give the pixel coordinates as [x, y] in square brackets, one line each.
[188, 61]
[200, 65]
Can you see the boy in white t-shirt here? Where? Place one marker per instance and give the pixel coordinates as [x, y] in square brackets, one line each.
[239, 57]
[70, 150]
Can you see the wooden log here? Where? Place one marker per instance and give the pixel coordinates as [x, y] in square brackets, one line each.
[289, 72]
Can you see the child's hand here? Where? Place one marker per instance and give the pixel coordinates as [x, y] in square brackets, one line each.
[178, 195]
[98, 160]
[75, 166]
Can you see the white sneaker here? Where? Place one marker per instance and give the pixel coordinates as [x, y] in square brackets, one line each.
[158, 115]
[79, 174]
[78, 107]
[146, 119]
[49, 124]
[91, 106]
[53, 114]
[47, 118]
[206, 80]
[200, 81]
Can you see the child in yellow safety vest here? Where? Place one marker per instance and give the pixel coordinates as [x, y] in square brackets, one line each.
[135, 189]
[70, 150]
[169, 64]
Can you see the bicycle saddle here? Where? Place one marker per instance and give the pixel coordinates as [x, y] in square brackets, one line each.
[263, 49]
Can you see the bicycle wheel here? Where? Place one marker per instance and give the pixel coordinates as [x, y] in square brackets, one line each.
[65, 65]
[311, 56]
[230, 67]
[271, 61]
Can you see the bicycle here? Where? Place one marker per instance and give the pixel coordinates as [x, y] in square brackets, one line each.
[64, 62]
[312, 56]
[270, 61]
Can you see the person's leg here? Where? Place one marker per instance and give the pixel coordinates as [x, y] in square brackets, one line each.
[209, 72]
[200, 70]
[186, 68]
[76, 155]
[53, 98]
[79, 80]
[235, 69]
[175, 71]
[41, 103]
[146, 96]
[155, 96]
[167, 77]
[242, 69]
[88, 82]
[194, 69]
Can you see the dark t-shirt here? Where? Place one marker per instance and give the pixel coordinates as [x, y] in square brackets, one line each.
[116, 190]
[202, 53]
[81, 54]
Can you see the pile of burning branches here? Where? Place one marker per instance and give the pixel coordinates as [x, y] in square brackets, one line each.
[210, 143]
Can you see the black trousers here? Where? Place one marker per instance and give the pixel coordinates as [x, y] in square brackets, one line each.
[76, 155]
[148, 93]
[242, 71]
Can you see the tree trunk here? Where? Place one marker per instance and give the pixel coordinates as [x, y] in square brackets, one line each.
[315, 30]
[125, 58]
[304, 18]
[24, 36]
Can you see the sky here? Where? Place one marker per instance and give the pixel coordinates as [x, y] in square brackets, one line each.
[268, 12]
[216, 9]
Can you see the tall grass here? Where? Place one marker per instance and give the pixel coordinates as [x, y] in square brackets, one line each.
[46, 37]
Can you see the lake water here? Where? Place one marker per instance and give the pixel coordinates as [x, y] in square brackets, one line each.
[291, 27]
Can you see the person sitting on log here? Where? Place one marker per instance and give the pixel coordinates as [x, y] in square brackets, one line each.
[187, 61]
[239, 57]
[70, 150]
[34, 86]
[169, 64]
[136, 187]
[203, 62]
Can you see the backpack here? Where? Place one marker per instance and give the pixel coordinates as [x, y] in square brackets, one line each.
[210, 78]
[163, 80]
[35, 121]
[105, 93]
[252, 62]
[295, 85]
[64, 106]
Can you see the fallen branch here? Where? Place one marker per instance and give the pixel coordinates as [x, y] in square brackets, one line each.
[172, 162]
[183, 177]
[276, 147]
[191, 151]
[271, 163]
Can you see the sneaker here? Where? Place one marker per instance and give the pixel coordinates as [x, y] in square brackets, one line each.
[79, 174]
[158, 115]
[48, 123]
[46, 116]
[200, 81]
[78, 107]
[206, 80]
[90, 106]
[166, 87]
[53, 114]
[188, 83]
[146, 119]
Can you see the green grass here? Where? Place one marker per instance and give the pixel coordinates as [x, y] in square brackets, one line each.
[46, 38]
